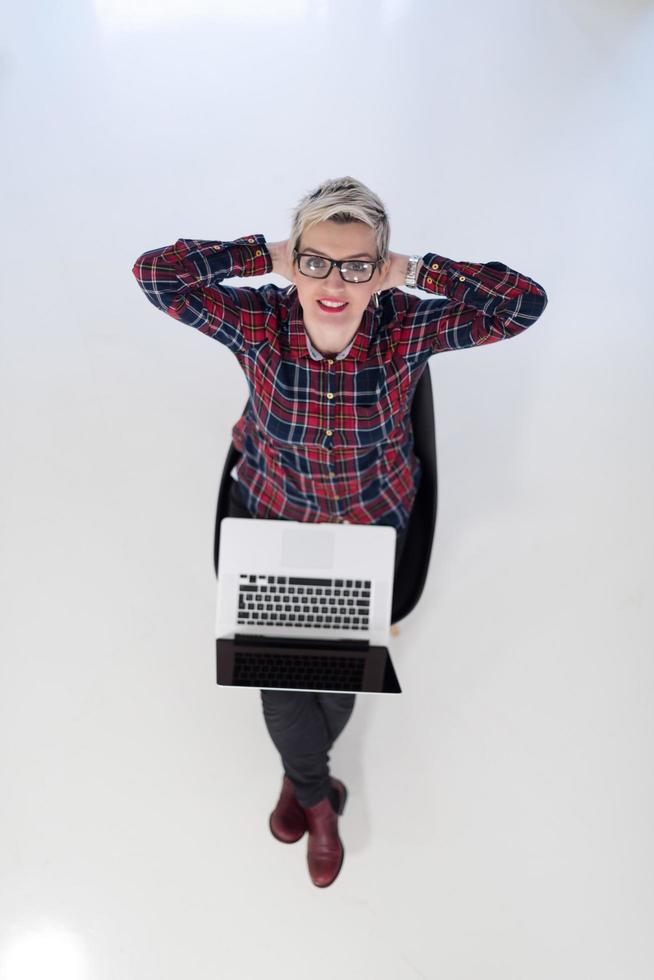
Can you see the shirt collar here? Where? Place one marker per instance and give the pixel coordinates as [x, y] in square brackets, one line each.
[317, 356]
[301, 346]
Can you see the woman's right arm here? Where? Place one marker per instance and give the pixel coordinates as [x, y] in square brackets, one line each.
[184, 280]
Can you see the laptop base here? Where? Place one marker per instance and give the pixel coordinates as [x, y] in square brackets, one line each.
[275, 663]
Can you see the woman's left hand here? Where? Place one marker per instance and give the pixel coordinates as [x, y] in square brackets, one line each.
[395, 274]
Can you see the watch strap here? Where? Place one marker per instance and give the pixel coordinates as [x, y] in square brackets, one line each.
[412, 275]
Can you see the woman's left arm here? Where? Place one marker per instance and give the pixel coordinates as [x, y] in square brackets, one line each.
[479, 302]
[397, 270]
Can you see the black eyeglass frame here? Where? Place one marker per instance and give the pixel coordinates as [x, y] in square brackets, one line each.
[338, 263]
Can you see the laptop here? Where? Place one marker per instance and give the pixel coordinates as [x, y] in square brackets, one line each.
[305, 606]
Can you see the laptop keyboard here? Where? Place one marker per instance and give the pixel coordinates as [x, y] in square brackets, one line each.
[286, 600]
[312, 671]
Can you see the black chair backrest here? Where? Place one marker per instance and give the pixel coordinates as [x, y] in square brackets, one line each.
[414, 564]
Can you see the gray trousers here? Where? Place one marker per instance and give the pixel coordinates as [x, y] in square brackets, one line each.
[304, 725]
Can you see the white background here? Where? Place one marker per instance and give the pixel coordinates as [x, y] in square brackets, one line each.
[499, 823]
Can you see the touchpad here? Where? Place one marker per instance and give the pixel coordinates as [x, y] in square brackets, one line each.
[308, 550]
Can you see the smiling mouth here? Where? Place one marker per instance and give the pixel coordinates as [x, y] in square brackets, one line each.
[326, 308]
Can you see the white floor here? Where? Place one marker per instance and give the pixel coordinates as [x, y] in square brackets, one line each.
[500, 816]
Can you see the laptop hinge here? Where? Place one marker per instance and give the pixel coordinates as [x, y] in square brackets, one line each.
[303, 641]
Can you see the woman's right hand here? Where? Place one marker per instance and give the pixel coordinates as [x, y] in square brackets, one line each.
[279, 255]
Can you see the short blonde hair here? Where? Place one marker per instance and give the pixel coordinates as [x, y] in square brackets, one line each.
[342, 200]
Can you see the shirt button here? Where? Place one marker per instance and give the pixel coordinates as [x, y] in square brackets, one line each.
[250, 239]
[258, 252]
[329, 394]
[217, 247]
[330, 361]
[429, 279]
[328, 432]
[435, 265]
[462, 278]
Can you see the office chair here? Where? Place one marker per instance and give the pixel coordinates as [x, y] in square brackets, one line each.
[414, 564]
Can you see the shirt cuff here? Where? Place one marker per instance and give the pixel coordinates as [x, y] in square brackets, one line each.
[433, 275]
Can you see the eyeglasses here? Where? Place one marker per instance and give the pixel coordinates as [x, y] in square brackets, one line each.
[319, 267]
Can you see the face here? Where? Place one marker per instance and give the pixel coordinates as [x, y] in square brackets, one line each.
[330, 333]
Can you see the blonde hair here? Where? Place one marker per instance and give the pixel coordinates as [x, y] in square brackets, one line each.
[342, 200]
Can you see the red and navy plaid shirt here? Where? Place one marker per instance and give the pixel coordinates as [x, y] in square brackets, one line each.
[330, 438]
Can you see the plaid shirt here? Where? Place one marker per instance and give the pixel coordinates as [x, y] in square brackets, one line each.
[322, 438]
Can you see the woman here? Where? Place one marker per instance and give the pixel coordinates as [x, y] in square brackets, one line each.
[332, 363]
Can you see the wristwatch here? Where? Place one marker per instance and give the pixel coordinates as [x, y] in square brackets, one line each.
[411, 275]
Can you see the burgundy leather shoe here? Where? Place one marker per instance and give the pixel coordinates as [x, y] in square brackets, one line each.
[325, 851]
[287, 821]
